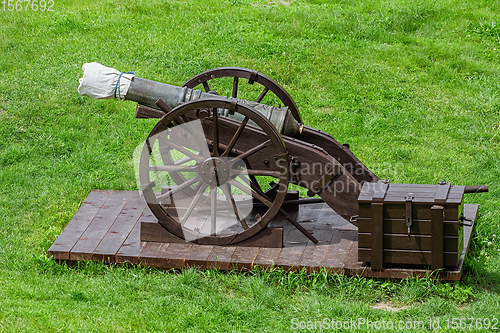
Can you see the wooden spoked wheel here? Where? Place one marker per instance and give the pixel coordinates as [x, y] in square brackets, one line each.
[199, 171]
[210, 81]
[238, 82]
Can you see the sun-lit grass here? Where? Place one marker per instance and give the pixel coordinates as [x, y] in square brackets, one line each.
[412, 86]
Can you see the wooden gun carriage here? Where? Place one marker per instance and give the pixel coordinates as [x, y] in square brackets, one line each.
[216, 170]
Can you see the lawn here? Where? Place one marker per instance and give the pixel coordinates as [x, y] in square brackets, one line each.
[412, 86]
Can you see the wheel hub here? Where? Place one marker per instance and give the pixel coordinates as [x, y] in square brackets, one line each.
[214, 171]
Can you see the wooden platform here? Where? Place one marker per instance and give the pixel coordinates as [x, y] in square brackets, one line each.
[107, 228]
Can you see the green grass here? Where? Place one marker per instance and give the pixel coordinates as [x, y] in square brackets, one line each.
[412, 86]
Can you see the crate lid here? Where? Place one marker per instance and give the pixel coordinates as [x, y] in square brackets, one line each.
[383, 191]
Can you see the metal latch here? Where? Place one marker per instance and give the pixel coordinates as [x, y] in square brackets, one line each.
[408, 216]
[462, 220]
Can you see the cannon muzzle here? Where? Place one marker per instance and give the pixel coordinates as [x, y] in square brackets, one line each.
[102, 82]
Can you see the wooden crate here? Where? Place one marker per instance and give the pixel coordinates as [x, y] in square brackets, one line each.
[434, 213]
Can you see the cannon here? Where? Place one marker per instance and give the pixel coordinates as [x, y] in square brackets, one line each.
[217, 167]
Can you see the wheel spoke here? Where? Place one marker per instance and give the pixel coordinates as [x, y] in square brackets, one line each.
[256, 184]
[252, 151]
[195, 134]
[262, 94]
[215, 124]
[174, 168]
[226, 188]
[251, 192]
[183, 160]
[200, 189]
[235, 137]
[253, 172]
[205, 85]
[177, 189]
[235, 87]
[213, 210]
[184, 151]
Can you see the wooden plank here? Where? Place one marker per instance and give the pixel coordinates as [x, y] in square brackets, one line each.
[198, 255]
[409, 257]
[309, 213]
[442, 193]
[120, 229]
[421, 192]
[295, 237]
[437, 238]
[289, 257]
[100, 225]
[312, 257]
[354, 267]
[418, 227]
[420, 211]
[268, 237]
[470, 213]
[175, 256]
[62, 246]
[243, 258]
[377, 245]
[380, 191]
[342, 252]
[414, 242]
[313, 254]
[266, 258]
[143, 112]
[154, 254]
[220, 257]
[152, 231]
[131, 247]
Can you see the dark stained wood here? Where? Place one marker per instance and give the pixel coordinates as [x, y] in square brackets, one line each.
[131, 247]
[414, 242]
[121, 228]
[337, 245]
[339, 152]
[423, 193]
[243, 257]
[100, 225]
[289, 257]
[198, 255]
[266, 258]
[437, 236]
[220, 257]
[61, 248]
[351, 265]
[312, 257]
[377, 244]
[143, 112]
[152, 231]
[421, 227]
[154, 254]
[336, 256]
[420, 211]
[313, 254]
[175, 256]
[380, 191]
[410, 257]
[442, 193]
[269, 237]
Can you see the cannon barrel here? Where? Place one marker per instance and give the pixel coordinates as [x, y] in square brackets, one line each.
[103, 82]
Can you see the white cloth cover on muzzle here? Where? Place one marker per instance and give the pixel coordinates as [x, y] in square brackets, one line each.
[99, 82]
